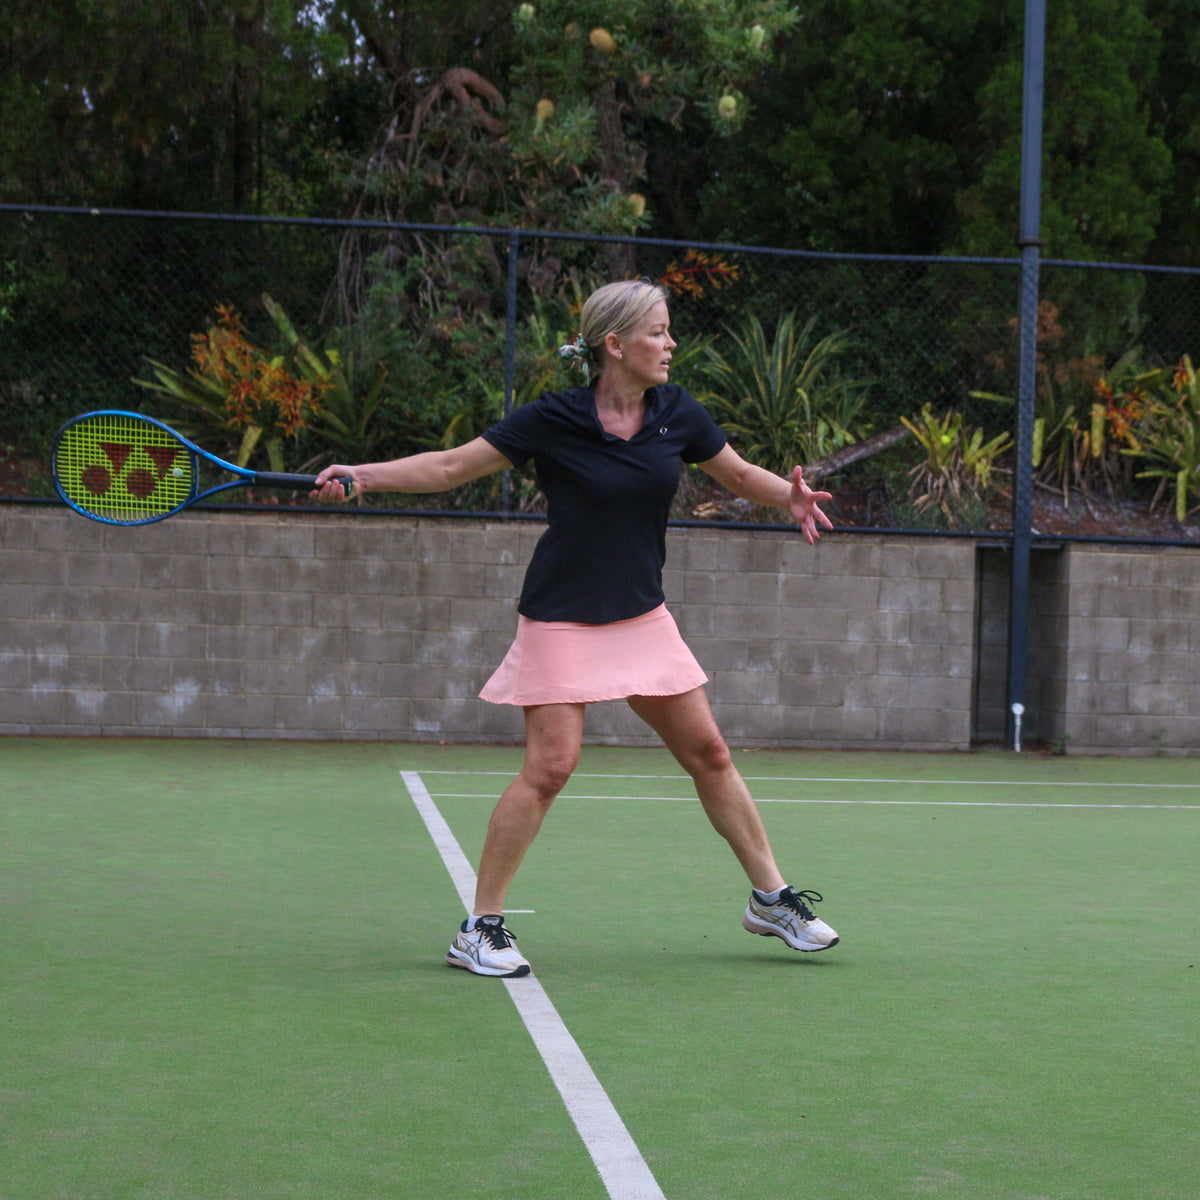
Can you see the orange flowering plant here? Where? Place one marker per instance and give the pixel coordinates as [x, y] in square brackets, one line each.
[241, 388]
[1084, 417]
[699, 268]
[1167, 432]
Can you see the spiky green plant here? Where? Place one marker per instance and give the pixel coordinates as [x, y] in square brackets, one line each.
[955, 474]
[782, 399]
[1169, 438]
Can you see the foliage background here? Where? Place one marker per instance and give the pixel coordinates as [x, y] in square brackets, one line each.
[886, 126]
[856, 127]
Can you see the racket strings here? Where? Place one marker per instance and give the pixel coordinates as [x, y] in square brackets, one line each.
[121, 469]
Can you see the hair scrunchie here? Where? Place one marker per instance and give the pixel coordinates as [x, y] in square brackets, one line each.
[579, 355]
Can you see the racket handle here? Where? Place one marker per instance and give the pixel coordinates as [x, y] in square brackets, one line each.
[300, 482]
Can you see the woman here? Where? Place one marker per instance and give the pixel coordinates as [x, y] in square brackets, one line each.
[592, 622]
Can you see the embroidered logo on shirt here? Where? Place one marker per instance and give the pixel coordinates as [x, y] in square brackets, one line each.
[662, 429]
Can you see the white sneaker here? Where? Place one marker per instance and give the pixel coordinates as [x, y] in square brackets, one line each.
[790, 918]
[487, 950]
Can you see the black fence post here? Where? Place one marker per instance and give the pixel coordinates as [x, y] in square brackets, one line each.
[1022, 514]
[510, 351]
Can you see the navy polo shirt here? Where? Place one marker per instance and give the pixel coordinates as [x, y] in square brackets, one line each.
[602, 554]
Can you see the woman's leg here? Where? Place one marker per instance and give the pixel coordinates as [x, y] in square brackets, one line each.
[688, 729]
[686, 724]
[553, 735]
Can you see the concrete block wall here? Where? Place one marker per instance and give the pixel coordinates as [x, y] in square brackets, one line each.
[1049, 616]
[1114, 648]
[336, 626]
[1130, 658]
[855, 642]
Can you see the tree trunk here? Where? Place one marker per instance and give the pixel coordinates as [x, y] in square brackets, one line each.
[831, 464]
[614, 169]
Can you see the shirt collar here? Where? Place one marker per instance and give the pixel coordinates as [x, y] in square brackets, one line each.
[587, 394]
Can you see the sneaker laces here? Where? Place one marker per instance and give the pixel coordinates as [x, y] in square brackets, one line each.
[497, 937]
[795, 901]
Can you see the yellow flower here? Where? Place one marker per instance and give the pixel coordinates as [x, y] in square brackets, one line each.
[603, 41]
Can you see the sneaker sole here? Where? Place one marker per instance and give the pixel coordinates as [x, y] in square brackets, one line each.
[749, 925]
[469, 964]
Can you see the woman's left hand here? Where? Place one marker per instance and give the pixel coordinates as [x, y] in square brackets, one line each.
[806, 507]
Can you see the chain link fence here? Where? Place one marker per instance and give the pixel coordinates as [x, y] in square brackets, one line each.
[432, 331]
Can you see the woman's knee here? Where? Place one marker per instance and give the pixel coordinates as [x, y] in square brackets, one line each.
[554, 736]
[711, 754]
[687, 726]
[547, 773]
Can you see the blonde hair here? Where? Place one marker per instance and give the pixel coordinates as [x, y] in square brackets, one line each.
[616, 308]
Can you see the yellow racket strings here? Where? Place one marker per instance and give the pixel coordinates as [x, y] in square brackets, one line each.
[121, 469]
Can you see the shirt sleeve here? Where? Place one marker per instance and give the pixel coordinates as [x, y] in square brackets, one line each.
[517, 435]
[706, 438]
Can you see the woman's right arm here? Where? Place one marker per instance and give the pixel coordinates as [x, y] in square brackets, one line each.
[433, 471]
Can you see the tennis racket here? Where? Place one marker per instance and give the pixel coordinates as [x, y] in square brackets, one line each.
[122, 468]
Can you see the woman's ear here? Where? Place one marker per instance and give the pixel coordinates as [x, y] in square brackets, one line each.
[612, 343]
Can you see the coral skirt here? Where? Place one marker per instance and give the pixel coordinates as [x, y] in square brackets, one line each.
[561, 662]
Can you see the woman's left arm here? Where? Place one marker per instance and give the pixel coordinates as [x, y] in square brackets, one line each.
[760, 486]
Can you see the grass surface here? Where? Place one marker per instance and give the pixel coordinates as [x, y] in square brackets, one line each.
[222, 977]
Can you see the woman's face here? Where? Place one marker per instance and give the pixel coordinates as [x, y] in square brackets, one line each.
[645, 354]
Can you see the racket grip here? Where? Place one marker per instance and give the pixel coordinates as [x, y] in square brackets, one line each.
[301, 482]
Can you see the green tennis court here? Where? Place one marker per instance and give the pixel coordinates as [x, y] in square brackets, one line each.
[222, 973]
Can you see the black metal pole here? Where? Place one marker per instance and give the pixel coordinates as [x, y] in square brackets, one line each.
[1028, 239]
[510, 353]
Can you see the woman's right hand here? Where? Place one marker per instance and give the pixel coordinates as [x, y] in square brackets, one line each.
[329, 490]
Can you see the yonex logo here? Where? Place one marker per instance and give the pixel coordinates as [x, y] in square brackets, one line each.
[139, 482]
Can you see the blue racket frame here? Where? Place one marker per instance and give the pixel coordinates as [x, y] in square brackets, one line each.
[132, 482]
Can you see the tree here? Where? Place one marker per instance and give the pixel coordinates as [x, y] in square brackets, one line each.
[1174, 110]
[177, 104]
[556, 138]
[1104, 165]
[590, 87]
[865, 129]
[1105, 170]
[894, 126]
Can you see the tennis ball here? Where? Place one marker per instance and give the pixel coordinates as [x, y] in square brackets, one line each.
[727, 107]
[603, 41]
[946, 439]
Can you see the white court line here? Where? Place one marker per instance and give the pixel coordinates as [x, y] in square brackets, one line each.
[896, 803]
[1015, 783]
[622, 1168]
